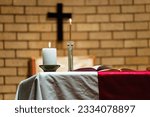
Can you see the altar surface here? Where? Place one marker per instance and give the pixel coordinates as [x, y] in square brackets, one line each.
[89, 85]
[59, 86]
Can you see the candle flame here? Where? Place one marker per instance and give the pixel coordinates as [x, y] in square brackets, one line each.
[49, 44]
[70, 21]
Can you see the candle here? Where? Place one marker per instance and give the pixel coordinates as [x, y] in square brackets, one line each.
[49, 55]
[70, 22]
[70, 48]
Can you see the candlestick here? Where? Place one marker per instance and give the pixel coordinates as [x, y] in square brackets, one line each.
[70, 55]
[49, 55]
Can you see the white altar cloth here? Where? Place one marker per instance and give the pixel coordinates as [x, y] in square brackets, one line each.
[59, 86]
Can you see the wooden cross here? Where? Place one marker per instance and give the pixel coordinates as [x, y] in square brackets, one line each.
[59, 16]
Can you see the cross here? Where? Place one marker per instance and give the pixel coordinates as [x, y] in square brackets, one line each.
[60, 16]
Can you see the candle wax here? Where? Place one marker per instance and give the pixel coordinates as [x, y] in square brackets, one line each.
[49, 56]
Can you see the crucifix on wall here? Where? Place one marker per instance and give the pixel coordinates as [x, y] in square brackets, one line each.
[59, 15]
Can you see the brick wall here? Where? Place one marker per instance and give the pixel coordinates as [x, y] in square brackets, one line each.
[117, 32]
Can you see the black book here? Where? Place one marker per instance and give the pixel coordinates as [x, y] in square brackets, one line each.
[95, 68]
[102, 68]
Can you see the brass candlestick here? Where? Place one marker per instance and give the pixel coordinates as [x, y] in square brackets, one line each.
[70, 55]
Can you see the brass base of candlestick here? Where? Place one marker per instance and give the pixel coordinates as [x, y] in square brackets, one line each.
[49, 68]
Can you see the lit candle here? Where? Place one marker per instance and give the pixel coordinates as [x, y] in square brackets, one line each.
[70, 48]
[49, 55]
[70, 22]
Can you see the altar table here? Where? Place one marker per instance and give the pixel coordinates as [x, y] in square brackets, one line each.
[59, 86]
[88, 85]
